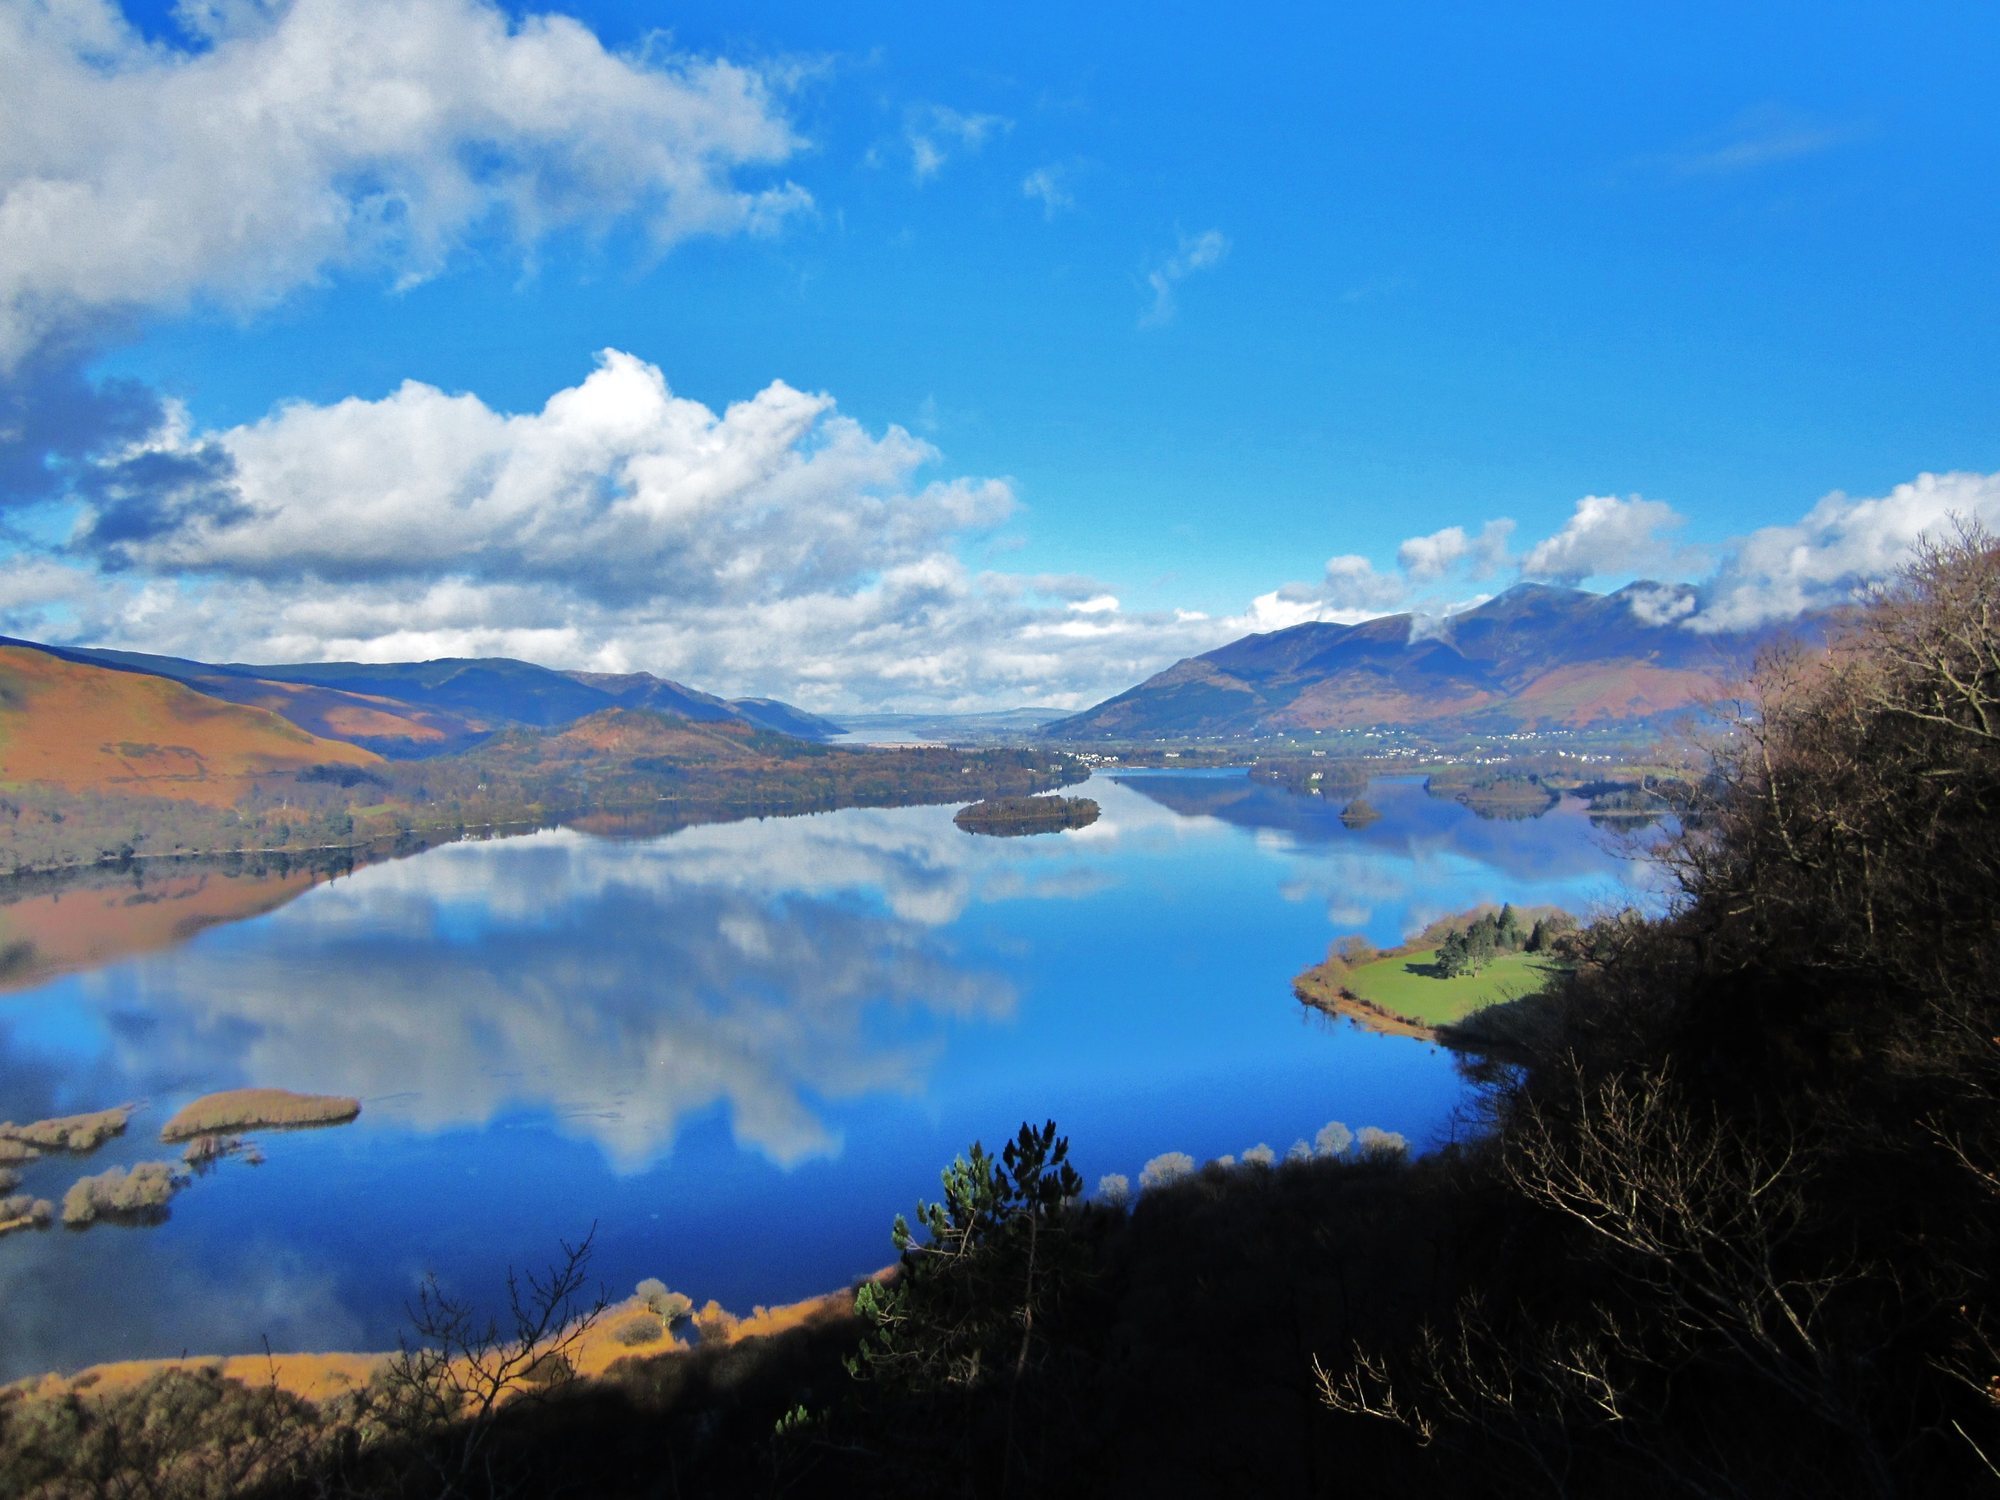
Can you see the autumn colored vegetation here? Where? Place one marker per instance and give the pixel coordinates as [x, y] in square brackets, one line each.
[617, 763]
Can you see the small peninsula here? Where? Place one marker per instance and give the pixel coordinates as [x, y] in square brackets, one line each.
[1009, 817]
[1434, 980]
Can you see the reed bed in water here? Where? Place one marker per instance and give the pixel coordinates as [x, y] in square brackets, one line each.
[253, 1109]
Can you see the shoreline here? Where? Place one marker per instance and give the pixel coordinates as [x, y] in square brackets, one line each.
[1365, 1013]
[795, 803]
[327, 1375]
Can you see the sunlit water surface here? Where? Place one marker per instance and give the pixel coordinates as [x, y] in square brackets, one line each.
[736, 1050]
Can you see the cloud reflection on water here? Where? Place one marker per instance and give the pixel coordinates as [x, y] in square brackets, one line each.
[622, 987]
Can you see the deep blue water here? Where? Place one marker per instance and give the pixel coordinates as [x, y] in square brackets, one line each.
[736, 1050]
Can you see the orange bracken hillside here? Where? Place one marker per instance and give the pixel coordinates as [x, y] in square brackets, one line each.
[92, 729]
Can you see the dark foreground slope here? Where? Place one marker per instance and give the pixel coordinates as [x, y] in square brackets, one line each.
[1535, 657]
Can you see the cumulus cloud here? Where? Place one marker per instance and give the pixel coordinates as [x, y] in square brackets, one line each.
[1842, 546]
[617, 489]
[307, 138]
[1427, 558]
[1352, 589]
[1606, 535]
[774, 547]
[1203, 252]
[1662, 604]
[934, 133]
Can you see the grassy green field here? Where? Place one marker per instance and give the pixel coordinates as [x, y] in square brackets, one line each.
[1404, 985]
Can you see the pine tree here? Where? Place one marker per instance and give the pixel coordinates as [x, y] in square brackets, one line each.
[1479, 944]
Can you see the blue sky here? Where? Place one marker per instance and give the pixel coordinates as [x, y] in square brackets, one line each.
[1206, 311]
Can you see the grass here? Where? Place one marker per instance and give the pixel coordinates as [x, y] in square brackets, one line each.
[1407, 984]
[70, 1132]
[251, 1109]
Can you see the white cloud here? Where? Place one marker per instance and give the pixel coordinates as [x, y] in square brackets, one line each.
[1349, 590]
[1203, 252]
[1050, 187]
[935, 133]
[770, 983]
[1839, 548]
[31, 582]
[1663, 604]
[775, 547]
[326, 135]
[1604, 536]
[616, 489]
[1427, 558]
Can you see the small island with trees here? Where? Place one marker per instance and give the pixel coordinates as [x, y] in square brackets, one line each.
[1437, 978]
[1009, 817]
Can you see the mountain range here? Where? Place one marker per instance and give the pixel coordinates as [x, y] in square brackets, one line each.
[1535, 657]
[414, 710]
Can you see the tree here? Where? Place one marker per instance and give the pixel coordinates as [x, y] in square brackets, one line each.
[1354, 950]
[445, 1390]
[1507, 933]
[1453, 956]
[965, 1302]
[1479, 944]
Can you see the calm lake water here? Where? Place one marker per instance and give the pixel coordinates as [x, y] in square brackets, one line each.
[738, 1050]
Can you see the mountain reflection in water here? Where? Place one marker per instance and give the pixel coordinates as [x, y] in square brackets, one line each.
[738, 1048]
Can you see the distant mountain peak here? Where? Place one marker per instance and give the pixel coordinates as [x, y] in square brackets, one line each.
[1539, 655]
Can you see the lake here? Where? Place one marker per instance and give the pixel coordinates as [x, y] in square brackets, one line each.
[737, 1050]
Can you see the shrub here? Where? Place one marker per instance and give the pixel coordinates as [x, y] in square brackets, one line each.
[1333, 1139]
[640, 1328]
[34, 1211]
[139, 1193]
[1168, 1167]
[1374, 1142]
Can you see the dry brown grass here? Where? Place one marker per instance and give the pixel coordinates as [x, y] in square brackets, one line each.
[118, 1193]
[318, 1377]
[70, 1132]
[257, 1109]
